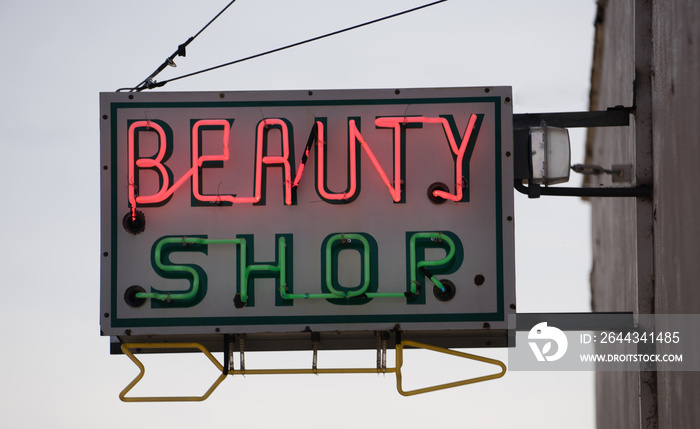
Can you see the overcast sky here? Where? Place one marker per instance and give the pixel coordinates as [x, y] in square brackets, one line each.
[58, 56]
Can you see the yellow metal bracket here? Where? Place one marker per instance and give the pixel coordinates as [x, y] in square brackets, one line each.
[399, 364]
[127, 347]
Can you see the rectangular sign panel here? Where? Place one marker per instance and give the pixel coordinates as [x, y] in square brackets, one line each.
[273, 214]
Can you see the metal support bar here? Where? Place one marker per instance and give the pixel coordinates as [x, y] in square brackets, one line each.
[228, 354]
[617, 116]
[601, 321]
[241, 351]
[535, 191]
[315, 338]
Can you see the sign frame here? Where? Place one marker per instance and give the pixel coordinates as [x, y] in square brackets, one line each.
[293, 332]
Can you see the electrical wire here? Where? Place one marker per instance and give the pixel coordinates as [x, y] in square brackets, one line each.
[148, 83]
[181, 51]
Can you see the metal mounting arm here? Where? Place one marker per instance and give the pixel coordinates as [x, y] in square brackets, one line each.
[613, 117]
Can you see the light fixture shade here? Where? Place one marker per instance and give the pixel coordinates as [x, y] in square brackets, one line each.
[550, 155]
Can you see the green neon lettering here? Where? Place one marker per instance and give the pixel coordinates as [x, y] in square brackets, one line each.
[441, 239]
[249, 270]
[331, 248]
[193, 273]
[329, 263]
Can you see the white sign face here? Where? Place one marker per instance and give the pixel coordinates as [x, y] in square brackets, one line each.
[298, 211]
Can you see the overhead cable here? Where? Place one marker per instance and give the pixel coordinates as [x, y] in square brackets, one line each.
[170, 61]
[149, 83]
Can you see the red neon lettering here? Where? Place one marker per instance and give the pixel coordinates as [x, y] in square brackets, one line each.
[321, 163]
[166, 191]
[460, 151]
[307, 151]
[302, 165]
[395, 189]
[198, 161]
[146, 163]
[261, 159]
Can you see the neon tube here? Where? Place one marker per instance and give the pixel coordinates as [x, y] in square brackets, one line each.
[421, 264]
[355, 136]
[305, 156]
[329, 265]
[180, 268]
[459, 150]
[271, 160]
[247, 270]
[321, 167]
[385, 295]
[259, 160]
[243, 276]
[145, 163]
[165, 192]
[395, 189]
[198, 161]
[334, 293]
[285, 295]
[283, 279]
[280, 268]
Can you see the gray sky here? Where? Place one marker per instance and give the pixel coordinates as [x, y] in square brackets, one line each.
[58, 56]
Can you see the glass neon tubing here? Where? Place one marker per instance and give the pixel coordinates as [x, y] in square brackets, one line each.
[334, 293]
[179, 268]
[395, 189]
[460, 152]
[321, 163]
[260, 159]
[199, 160]
[283, 280]
[270, 160]
[329, 264]
[387, 122]
[145, 163]
[305, 156]
[396, 122]
[421, 264]
[279, 268]
[166, 190]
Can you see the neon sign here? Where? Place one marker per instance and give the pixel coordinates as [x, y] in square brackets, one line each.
[457, 144]
[271, 212]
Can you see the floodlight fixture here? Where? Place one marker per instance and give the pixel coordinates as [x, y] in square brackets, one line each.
[550, 155]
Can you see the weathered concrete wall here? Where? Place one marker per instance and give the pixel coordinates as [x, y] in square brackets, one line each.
[618, 240]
